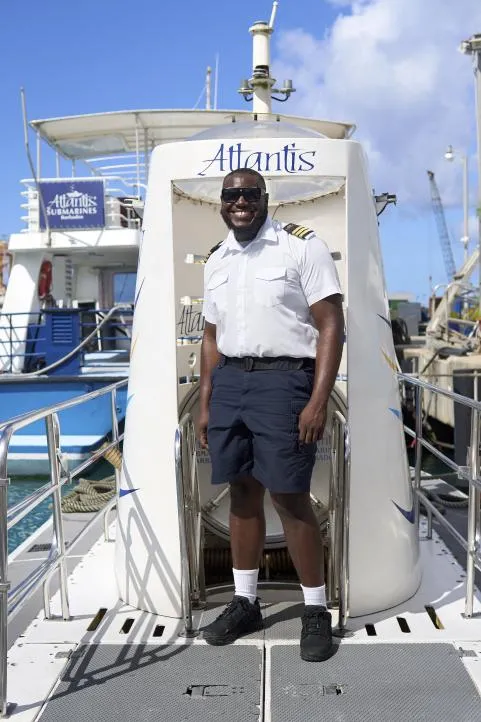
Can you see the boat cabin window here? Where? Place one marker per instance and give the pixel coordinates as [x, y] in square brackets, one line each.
[124, 287]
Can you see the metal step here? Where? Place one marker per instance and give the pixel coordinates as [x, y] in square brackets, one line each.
[371, 683]
[196, 683]
[147, 683]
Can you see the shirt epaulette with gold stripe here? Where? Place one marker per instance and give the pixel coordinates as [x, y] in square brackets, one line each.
[213, 250]
[299, 231]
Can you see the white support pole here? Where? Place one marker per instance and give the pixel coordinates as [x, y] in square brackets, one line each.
[465, 208]
[208, 87]
[39, 155]
[477, 71]
[216, 81]
[261, 82]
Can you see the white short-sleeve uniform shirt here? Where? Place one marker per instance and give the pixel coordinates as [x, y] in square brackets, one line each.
[258, 294]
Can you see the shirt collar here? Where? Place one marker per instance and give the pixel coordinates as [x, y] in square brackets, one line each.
[267, 233]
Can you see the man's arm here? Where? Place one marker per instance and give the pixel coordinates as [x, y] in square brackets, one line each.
[209, 357]
[329, 321]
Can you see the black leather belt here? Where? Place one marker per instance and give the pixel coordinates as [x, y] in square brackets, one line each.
[264, 363]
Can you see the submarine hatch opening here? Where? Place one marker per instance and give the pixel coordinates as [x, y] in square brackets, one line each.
[318, 203]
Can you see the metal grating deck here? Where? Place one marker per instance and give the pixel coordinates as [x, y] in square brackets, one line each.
[373, 683]
[147, 683]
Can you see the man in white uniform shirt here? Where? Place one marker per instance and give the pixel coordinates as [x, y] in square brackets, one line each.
[271, 350]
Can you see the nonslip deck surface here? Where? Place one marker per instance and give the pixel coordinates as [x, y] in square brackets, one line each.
[147, 683]
[183, 683]
[374, 683]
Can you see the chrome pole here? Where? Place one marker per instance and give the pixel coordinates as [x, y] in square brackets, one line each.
[473, 513]
[197, 553]
[185, 570]
[53, 443]
[419, 451]
[429, 531]
[341, 523]
[5, 435]
[344, 531]
[332, 512]
[115, 432]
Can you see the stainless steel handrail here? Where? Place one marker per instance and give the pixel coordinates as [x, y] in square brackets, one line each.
[338, 565]
[470, 473]
[190, 523]
[11, 601]
[190, 520]
[18, 422]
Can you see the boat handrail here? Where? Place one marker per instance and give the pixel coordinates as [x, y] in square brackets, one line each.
[193, 590]
[12, 600]
[470, 473]
[338, 567]
[8, 335]
[190, 521]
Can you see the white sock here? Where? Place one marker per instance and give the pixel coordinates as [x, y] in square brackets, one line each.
[245, 581]
[315, 596]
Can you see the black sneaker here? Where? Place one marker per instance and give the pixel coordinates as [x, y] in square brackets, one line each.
[316, 635]
[238, 618]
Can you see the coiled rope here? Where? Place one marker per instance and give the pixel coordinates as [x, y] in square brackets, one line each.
[90, 494]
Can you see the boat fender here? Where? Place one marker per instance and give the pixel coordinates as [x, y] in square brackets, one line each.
[45, 280]
[300, 231]
[213, 250]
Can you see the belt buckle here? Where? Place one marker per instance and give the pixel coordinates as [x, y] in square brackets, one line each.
[248, 363]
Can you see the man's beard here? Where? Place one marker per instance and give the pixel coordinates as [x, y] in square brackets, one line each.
[245, 235]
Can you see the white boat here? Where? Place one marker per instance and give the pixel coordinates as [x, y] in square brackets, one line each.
[121, 639]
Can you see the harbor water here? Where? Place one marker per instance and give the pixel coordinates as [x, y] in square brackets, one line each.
[18, 489]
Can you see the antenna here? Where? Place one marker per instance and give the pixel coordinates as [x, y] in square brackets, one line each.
[273, 14]
[216, 80]
[260, 88]
[207, 87]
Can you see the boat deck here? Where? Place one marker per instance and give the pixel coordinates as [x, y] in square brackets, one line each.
[112, 662]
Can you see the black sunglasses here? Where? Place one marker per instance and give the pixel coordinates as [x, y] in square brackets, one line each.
[250, 194]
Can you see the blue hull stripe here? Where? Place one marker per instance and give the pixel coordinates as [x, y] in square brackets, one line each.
[124, 492]
[408, 514]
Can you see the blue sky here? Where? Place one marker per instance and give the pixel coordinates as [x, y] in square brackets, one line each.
[101, 55]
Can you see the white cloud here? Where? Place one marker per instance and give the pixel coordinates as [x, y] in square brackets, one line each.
[392, 67]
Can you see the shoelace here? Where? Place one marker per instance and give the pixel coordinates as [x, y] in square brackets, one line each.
[315, 622]
[233, 606]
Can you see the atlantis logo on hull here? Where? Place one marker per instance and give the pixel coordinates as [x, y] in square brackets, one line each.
[288, 159]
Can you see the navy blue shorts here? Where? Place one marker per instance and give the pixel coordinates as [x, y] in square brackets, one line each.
[253, 428]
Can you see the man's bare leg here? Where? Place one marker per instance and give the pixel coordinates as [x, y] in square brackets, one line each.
[304, 542]
[248, 529]
[303, 536]
[247, 523]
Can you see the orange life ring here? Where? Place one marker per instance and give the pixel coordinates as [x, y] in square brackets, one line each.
[45, 280]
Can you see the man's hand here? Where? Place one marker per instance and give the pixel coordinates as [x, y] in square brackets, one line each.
[202, 423]
[312, 421]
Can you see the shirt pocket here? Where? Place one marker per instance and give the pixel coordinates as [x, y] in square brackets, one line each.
[217, 289]
[270, 285]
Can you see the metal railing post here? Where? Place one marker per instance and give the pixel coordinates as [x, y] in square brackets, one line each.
[195, 527]
[115, 437]
[418, 406]
[53, 443]
[473, 513]
[332, 511]
[344, 532]
[4, 584]
[185, 567]
[11, 341]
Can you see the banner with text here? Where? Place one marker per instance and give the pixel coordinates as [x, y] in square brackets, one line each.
[72, 204]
